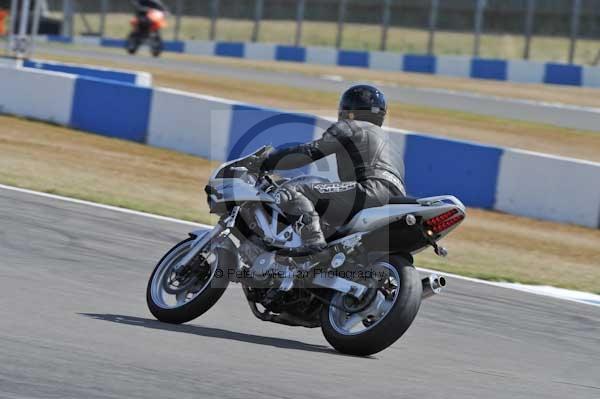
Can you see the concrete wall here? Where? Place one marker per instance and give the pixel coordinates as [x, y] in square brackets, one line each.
[120, 75]
[508, 180]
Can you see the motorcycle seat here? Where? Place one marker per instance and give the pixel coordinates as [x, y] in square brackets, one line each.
[403, 200]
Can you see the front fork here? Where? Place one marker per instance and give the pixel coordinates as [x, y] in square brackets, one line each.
[204, 238]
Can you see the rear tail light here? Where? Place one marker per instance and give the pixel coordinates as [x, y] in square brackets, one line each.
[444, 221]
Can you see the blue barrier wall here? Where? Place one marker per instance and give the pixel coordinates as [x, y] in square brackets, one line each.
[419, 63]
[111, 109]
[353, 58]
[563, 74]
[230, 49]
[489, 69]
[253, 127]
[126, 77]
[290, 53]
[436, 165]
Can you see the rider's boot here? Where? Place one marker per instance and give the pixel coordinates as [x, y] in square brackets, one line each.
[309, 228]
[306, 222]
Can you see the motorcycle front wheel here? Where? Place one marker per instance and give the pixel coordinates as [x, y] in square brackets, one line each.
[156, 45]
[362, 329]
[133, 43]
[176, 296]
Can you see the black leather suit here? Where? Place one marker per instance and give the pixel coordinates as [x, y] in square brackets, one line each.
[142, 6]
[369, 171]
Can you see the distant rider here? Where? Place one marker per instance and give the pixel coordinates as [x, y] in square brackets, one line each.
[369, 170]
[143, 6]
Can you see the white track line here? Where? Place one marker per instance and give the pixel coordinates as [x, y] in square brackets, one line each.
[543, 291]
[102, 206]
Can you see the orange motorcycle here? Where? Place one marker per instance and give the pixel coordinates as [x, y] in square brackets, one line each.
[3, 16]
[146, 29]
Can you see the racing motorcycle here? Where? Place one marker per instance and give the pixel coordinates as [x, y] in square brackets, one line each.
[147, 28]
[362, 290]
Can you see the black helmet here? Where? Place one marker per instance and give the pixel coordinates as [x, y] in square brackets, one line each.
[363, 103]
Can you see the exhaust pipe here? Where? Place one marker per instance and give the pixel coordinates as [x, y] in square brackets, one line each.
[432, 285]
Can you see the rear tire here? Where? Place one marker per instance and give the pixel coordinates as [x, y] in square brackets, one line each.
[391, 327]
[201, 303]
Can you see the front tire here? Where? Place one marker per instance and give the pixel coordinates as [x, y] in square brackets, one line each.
[208, 292]
[133, 43]
[371, 335]
[156, 45]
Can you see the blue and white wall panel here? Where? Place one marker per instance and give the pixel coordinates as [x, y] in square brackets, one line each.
[35, 94]
[199, 47]
[260, 51]
[457, 66]
[525, 71]
[386, 61]
[190, 123]
[321, 55]
[591, 76]
[113, 109]
[513, 181]
[136, 77]
[548, 187]
[519, 71]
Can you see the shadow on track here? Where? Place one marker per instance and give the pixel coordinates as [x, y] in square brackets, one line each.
[211, 332]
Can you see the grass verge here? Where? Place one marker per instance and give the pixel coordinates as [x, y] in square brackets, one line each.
[488, 245]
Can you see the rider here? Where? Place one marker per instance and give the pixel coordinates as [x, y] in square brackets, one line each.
[143, 6]
[369, 171]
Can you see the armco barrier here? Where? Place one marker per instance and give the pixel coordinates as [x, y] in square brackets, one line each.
[518, 182]
[134, 77]
[477, 68]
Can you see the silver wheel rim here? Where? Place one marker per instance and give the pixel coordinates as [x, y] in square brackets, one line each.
[166, 300]
[358, 323]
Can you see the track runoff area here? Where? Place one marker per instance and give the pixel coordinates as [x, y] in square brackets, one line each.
[75, 324]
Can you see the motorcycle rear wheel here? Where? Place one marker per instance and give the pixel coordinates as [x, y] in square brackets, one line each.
[374, 328]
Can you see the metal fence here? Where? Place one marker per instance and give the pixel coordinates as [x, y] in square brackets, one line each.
[560, 30]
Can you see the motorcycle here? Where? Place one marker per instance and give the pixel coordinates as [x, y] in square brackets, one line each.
[147, 28]
[362, 290]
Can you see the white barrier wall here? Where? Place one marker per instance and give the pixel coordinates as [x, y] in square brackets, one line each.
[35, 94]
[547, 187]
[197, 47]
[525, 71]
[190, 123]
[260, 51]
[454, 65]
[321, 55]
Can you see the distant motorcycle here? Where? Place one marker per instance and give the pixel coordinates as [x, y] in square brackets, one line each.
[362, 290]
[146, 29]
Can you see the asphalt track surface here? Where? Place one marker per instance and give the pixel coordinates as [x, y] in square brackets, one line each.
[564, 115]
[74, 324]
